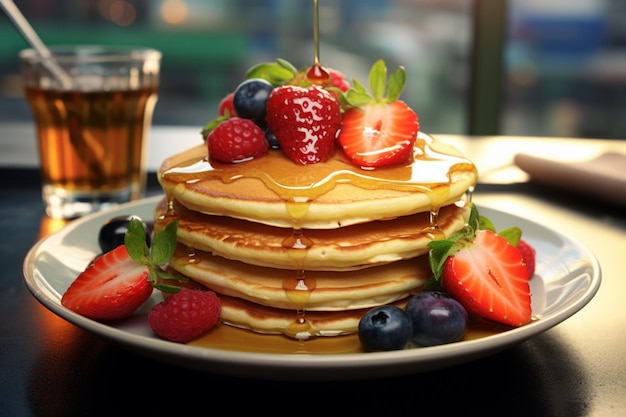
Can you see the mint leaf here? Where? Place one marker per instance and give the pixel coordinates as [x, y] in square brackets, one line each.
[164, 244]
[135, 240]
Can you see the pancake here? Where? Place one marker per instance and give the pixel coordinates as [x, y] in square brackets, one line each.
[347, 248]
[275, 191]
[262, 319]
[315, 291]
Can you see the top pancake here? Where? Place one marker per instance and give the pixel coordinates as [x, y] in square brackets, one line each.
[274, 190]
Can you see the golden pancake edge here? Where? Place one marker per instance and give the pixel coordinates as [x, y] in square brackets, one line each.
[342, 249]
[273, 190]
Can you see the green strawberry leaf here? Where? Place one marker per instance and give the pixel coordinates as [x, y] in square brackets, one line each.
[276, 73]
[512, 234]
[381, 90]
[208, 128]
[170, 289]
[396, 84]
[486, 224]
[286, 65]
[378, 80]
[440, 250]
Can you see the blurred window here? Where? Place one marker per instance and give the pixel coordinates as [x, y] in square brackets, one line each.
[565, 65]
[209, 44]
[564, 61]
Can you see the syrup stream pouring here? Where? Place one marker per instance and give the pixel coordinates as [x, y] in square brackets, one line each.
[33, 39]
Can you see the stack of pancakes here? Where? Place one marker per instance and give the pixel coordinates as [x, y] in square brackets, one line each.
[306, 250]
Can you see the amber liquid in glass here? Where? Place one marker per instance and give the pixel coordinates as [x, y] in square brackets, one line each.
[92, 145]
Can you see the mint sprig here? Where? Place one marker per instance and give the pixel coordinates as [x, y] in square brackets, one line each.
[155, 256]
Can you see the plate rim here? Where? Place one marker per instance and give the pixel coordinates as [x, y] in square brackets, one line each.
[302, 366]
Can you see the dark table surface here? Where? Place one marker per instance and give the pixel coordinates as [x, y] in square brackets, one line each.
[49, 367]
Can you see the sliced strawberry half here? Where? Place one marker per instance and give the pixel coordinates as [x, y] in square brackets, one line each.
[377, 135]
[489, 278]
[377, 129]
[484, 271]
[112, 287]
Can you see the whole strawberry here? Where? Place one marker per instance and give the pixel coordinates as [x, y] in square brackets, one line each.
[305, 121]
[236, 140]
[185, 315]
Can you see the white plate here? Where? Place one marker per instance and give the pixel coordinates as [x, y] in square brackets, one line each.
[567, 277]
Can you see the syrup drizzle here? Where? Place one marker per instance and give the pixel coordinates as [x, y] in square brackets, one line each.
[430, 174]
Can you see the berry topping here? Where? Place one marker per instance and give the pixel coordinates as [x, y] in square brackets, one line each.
[378, 129]
[528, 255]
[226, 108]
[305, 121]
[385, 327]
[250, 99]
[484, 272]
[437, 318]
[236, 140]
[185, 315]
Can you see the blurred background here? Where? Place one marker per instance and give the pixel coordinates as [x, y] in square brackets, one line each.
[551, 68]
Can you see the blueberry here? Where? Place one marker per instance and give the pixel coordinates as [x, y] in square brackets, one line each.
[437, 318]
[271, 138]
[250, 99]
[112, 232]
[385, 328]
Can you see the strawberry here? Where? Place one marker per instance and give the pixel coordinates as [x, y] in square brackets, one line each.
[483, 272]
[226, 108]
[305, 121]
[185, 315]
[112, 287]
[236, 140]
[378, 129]
[528, 255]
[116, 283]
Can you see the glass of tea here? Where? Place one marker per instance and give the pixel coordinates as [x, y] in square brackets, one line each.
[93, 108]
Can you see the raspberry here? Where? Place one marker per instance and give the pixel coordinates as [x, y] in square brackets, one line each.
[185, 315]
[236, 140]
[528, 255]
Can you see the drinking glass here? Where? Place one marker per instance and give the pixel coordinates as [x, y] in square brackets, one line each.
[93, 109]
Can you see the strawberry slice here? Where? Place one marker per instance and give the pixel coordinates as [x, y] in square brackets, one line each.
[377, 135]
[110, 288]
[489, 278]
[483, 271]
[378, 129]
[119, 281]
